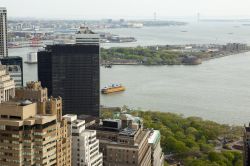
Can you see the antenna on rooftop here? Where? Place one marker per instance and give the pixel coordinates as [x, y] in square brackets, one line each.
[155, 16]
[198, 17]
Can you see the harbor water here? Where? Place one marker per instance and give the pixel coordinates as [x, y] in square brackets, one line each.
[217, 90]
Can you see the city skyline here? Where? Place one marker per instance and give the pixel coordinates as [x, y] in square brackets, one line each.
[95, 9]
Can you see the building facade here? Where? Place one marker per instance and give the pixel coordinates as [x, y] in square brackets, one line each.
[246, 146]
[14, 66]
[86, 36]
[157, 156]
[72, 72]
[123, 142]
[85, 146]
[3, 32]
[33, 131]
[7, 85]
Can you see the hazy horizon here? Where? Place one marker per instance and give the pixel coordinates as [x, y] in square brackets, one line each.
[129, 9]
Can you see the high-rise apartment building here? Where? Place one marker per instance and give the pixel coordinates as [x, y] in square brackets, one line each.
[14, 66]
[85, 146]
[32, 130]
[246, 147]
[7, 85]
[123, 141]
[3, 32]
[72, 71]
[26, 137]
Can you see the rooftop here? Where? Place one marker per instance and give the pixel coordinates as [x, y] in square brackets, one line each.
[131, 117]
[154, 136]
[88, 118]
[2, 8]
[111, 120]
[128, 132]
[17, 103]
[11, 57]
[85, 30]
[33, 85]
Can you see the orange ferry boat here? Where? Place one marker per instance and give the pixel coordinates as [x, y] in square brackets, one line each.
[113, 88]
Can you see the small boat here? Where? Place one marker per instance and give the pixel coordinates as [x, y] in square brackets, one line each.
[113, 88]
[246, 24]
[108, 66]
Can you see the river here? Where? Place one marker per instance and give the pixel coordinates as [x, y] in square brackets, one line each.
[217, 90]
[193, 33]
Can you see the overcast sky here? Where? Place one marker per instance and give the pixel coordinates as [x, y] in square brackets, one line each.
[141, 9]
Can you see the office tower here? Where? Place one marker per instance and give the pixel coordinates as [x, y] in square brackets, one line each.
[123, 141]
[7, 85]
[246, 146]
[3, 32]
[14, 66]
[157, 157]
[72, 71]
[33, 131]
[85, 146]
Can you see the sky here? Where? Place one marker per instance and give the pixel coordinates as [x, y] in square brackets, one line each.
[128, 9]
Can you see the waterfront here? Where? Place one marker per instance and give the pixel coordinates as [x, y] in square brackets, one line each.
[216, 90]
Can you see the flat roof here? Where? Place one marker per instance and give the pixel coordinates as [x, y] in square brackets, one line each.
[128, 132]
[111, 120]
[154, 136]
[11, 57]
[17, 102]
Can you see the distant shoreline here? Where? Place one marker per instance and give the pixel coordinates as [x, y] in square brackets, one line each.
[180, 58]
[224, 55]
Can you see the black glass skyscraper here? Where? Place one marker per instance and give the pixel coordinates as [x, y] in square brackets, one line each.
[72, 72]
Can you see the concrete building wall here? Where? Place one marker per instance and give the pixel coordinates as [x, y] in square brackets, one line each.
[7, 85]
[246, 147]
[133, 150]
[85, 146]
[63, 146]
[33, 91]
[14, 66]
[157, 156]
[35, 131]
[30, 139]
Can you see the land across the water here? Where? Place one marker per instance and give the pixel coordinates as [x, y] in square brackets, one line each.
[214, 90]
[169, 54]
